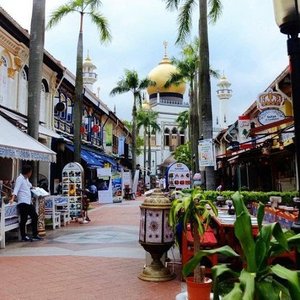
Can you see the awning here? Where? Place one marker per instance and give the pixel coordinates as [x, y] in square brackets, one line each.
[88, 156]
[16, 144]
[23, 121]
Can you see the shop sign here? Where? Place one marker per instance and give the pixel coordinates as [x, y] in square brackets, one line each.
[206, 153]
[178, 176]
[244, 127]
[270, 99]
[270, 115]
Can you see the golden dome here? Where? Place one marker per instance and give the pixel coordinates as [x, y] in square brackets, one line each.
[160, 75]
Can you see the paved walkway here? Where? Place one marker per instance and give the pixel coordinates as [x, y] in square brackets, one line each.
[99, 260]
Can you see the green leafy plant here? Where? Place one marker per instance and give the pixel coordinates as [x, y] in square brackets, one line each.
[191, 209]
[258, 279]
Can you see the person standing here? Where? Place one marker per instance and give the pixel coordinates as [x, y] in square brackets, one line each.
[22, 191]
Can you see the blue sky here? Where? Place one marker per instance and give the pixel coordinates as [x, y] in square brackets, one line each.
[245, 43]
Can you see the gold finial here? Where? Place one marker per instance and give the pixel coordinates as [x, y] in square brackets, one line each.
[88, 55]
[165, 43]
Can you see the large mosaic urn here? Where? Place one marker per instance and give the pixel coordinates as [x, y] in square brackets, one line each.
[156, 236]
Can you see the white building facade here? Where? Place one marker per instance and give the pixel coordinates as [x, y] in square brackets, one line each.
[168, 102]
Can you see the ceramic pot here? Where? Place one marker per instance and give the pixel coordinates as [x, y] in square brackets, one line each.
[198, 291]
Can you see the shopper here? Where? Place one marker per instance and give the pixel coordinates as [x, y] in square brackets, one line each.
[22, 192]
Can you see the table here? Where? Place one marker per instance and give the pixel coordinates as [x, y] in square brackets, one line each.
[225, 224]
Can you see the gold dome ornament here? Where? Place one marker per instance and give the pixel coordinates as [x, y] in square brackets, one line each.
[161, 74]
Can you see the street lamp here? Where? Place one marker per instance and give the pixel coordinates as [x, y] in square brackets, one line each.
[288, 19]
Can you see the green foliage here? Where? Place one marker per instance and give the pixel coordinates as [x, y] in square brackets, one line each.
[194, 210]
[258, 279]
[139, 145]
[183, 154]
[248, 197]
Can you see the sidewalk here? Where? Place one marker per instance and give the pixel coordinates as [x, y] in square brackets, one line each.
[100, 260]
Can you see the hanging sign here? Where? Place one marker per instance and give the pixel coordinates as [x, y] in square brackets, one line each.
[206, 153]
[270, 115]
[244, 127]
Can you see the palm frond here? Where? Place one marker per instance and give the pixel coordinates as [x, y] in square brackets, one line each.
[119, 90]
[215, 10]
[102, 25]
[59, 13]
[175, 78]
[172, 4]
[214, 73]
[144, 83]
[93, 4]
[185, 20]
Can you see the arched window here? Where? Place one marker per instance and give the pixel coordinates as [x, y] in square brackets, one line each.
[69, 110]
[63, 100]
[182, 137]
[3, 81]
[43, 106]
[23, 91]
[174, 141]
[167, 137]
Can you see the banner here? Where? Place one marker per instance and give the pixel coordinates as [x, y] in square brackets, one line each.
[206, 153]
[244, 127]
[121, 145]
[104, 185]
[117, 186]
[108, 134]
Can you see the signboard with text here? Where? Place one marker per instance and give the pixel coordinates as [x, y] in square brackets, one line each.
[206, 153]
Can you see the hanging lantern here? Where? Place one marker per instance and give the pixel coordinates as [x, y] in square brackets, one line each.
[82, 129]
[96, 128]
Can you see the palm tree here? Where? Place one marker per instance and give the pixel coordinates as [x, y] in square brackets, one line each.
[130, 82]
[83, 7]
[147, 119]
[204, 96]
[35, 72]
[183, 120]
[187, 71]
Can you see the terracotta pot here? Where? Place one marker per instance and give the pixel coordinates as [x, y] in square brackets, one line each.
[198, 291]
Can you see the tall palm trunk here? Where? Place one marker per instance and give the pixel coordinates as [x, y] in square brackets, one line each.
[205, 89]
[78, 97]
[197, 121]
[37, 32]
[145, 150]
[149, 148]
[134, 131]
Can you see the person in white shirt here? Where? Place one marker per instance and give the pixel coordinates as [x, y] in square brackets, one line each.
[22, 192]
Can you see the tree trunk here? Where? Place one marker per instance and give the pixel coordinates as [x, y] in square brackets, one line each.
[197, 124]
[149, 149]
[134, 131]
[78, 97]
[35, 73]
[204, 88]
[145, 148]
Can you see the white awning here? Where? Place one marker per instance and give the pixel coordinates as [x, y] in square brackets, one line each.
[16, 144]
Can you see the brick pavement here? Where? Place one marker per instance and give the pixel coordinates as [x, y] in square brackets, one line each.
[65, 277]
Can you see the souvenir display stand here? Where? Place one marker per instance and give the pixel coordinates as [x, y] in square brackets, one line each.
[72, 186]
[178, 176]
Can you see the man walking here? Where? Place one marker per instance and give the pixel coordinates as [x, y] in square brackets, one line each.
[22, 192]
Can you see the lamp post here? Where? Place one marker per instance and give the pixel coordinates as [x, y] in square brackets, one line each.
[288, 19]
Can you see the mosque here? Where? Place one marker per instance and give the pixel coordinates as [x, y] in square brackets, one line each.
[169, 103]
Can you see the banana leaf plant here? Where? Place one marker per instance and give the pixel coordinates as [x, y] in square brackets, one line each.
[258, 279]
[190, 209]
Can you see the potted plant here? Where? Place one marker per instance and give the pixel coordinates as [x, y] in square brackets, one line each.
[192, 212]
[257, 279]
